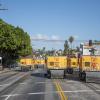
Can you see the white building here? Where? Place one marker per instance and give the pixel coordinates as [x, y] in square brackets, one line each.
[86, 49]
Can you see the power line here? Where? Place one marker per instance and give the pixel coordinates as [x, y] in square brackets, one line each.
[3, 9]
[56, 40]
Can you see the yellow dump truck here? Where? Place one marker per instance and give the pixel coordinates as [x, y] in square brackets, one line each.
[26, 63]
[56, 63]
[72, 63]
[89, 68]
[39, 63]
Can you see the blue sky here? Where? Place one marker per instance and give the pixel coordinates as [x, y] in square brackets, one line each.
[54, 19]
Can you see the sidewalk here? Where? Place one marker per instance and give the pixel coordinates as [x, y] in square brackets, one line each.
[5, 70]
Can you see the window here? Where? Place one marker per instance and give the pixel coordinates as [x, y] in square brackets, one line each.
[73, 63]
[87, 64]
[51, 63]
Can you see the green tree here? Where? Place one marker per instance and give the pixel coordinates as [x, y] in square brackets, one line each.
[14, 42]
[71, 40]
[66, 48]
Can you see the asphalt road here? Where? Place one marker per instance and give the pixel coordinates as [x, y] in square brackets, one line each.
[37, 87]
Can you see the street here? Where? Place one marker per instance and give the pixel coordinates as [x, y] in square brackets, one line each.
[34, 86]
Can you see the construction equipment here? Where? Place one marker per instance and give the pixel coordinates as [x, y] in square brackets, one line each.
[39, 63]
[26, 63]
[56, 63]
[89, 68]
[72, 63]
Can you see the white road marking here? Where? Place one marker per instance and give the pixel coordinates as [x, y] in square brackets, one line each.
[22, 83]
[12, 95]
[78, 91]
[36, 83]
[51, 92]
[4, 85]
[82, 91]
[43, 83]
[7, 97]
[37, 93]
[98, 90]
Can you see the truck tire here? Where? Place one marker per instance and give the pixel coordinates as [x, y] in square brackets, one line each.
[70, 71]
[45, 75]
[49, 74]
[30, 68]
[83, 76]
[80, 75]
[21, 69]
[64, 76]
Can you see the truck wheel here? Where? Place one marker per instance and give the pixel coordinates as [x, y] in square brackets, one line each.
[49, 74]
[21, 69]
[70, 71]
[80, 76]
[45, 75]
[64, 74]
[83, 76]
[30, 68]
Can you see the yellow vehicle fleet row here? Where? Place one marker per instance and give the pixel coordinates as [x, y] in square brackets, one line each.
[54, 64]
[30, 63]
[88, 66]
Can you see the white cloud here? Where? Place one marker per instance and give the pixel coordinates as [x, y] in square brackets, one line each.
[76, 36]
[55, 37]
[40, 37]
[45, 37]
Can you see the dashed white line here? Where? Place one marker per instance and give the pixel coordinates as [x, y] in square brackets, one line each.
[4, 85]
[36, 83]
[36, 93]
[22, 83]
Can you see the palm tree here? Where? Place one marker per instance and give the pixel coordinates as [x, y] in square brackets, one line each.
[71, 39]
[66, 47]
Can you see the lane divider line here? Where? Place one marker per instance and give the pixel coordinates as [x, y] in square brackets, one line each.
[4, 84]
[60, 91]
[65, 97]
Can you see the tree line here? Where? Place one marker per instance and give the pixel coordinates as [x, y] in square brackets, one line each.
[14, 42]
[68, 48]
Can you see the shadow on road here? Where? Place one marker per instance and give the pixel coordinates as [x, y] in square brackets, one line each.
[72, 77]
[42, 74]
[38, 75]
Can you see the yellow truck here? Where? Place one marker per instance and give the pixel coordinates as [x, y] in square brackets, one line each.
[72, 63]
[39, 63]
[56, 63]
[89, 68]
[26, 63]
